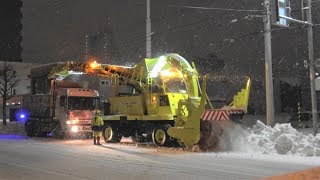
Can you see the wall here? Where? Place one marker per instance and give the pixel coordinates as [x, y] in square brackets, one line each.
[22, 75]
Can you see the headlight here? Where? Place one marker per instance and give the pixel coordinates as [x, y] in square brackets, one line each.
[74, 128]
[75, 121]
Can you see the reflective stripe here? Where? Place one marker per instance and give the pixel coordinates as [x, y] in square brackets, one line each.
[211, 114]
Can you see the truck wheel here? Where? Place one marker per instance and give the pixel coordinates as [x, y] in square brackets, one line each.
[28, 128]
[111, 135]
[160, 136]
[37, 130]
[58, 132]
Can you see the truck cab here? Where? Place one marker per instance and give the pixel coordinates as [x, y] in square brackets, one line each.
[75, 108]
[59, 106]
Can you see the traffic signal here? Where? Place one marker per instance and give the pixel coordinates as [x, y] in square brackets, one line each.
[280, 8]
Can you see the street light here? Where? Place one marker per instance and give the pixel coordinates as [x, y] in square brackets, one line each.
[280, 8]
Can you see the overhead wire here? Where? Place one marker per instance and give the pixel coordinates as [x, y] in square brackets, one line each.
[192, 7]
[169, 30]
[139, 40]
[213, 8]
[43, 11]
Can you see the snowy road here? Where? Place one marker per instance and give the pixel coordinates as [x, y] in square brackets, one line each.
[24, 158]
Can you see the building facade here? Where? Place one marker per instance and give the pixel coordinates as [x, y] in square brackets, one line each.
[100, 46]
[21, 72]
[10, 31]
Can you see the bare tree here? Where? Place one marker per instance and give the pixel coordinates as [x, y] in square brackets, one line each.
[7, 84]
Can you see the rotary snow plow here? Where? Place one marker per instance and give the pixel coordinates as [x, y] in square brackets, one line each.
[204, 127]
[160, 100]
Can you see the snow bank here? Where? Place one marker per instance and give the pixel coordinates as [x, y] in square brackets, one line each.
[281, 139]
[12, 127]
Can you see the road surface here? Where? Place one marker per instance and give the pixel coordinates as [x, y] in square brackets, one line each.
[46, 159]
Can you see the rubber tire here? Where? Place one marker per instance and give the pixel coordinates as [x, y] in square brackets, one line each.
[162, 129]
[59, 133]
[28, 128]
[114, 136]
[36, 130]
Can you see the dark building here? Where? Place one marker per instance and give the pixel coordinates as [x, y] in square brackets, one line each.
[10, 31]
[100, 46]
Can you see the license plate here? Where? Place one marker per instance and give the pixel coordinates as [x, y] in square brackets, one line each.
[86, 128]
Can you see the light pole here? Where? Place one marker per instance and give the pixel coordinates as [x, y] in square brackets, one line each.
[148, 31]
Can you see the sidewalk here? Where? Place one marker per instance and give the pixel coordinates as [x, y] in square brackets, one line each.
[12, 128]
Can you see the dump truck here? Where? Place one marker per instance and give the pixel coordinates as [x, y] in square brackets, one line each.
[62, 108]
[161, 100]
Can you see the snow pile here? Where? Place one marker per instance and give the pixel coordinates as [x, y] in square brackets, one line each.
[12, 127]
[283, 139]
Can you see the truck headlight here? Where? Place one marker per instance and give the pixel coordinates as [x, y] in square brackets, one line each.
[75, 121]
[74, 128]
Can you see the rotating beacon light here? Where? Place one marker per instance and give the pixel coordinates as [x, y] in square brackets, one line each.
[94, 65]
[22, 115]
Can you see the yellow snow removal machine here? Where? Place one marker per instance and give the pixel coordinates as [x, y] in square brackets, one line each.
[161, 99]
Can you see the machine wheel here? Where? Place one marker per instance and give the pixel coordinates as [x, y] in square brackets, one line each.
[111, 135]
[160, 136]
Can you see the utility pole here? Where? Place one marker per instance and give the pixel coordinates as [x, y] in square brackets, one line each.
[312, 66]
[148, 31]
[86, 39]
[268, 64]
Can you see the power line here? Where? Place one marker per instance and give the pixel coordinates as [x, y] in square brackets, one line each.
[298, 27]
[138, 41]
[45, 10]
[218, 42]
[169, 30]
[221, 9]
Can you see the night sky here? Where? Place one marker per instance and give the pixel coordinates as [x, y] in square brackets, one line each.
[225, 44]
[54, 30]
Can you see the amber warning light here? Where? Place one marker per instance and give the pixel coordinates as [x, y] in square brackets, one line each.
[94, 65]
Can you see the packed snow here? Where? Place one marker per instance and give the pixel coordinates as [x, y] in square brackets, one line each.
[280, 139]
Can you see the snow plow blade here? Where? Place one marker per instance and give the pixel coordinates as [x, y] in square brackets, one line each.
[187, 127]
[204, 127]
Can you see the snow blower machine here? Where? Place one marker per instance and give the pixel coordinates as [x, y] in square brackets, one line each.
[161, 100]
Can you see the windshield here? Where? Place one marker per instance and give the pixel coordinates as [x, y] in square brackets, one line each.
[175, 86]
[83, 103]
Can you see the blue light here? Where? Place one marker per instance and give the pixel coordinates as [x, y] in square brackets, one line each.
[22, 115]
